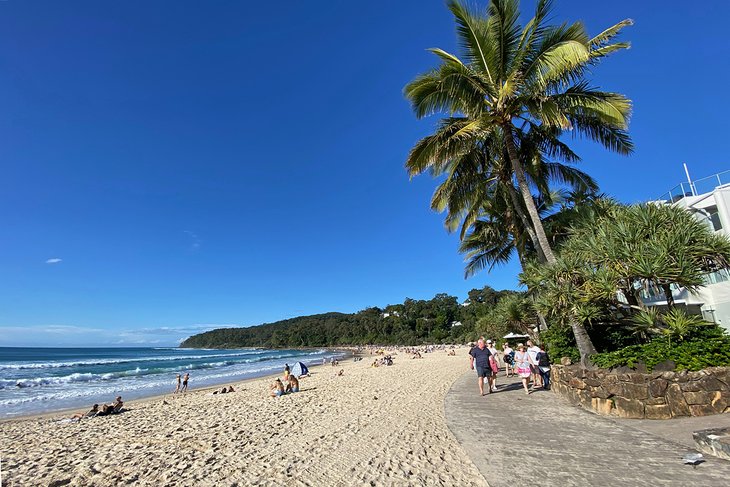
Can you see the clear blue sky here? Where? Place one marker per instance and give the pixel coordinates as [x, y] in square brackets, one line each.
[203, 163]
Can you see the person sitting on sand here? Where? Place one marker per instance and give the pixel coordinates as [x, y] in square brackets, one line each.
[293, 385]
[116, 406]
[230, 389]
[277, 388]
[93, 412]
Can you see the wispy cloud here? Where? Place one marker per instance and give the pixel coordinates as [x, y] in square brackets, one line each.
[195, 240]
[54, 260]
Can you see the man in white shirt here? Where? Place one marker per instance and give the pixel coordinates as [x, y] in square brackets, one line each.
[532, 352]
[493, 351]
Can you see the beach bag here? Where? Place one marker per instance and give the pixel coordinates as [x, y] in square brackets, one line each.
[493, 364]
[509, 358]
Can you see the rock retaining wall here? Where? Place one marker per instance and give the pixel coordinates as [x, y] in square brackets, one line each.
[653, 395]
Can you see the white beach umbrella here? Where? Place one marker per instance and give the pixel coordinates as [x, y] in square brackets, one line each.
[515, 335]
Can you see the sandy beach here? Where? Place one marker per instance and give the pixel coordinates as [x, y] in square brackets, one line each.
[370, 426]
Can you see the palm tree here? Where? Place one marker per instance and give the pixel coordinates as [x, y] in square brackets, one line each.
[496, 235]
[516, 86]
[516, 83]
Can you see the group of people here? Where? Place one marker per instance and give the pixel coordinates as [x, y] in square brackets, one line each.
[105, 410]
[530, 362]
[387, 361]
[279, 388]
[182, 383]
[225, 390]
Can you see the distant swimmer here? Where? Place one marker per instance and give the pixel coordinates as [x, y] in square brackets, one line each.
[185, 382]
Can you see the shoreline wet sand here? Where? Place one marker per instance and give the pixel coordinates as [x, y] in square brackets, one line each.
[377, 426]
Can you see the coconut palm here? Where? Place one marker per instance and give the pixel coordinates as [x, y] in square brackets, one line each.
[512, 85]
[495, 234]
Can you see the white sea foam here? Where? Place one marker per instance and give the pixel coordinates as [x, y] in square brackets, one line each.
[39, 386]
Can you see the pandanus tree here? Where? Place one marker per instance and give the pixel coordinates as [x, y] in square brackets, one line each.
[650, 246]
[510, 81]
[621, 251]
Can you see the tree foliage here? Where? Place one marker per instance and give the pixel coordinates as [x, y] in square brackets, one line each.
[412, 322]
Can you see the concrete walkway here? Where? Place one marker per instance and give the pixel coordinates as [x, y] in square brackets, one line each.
[540, 439]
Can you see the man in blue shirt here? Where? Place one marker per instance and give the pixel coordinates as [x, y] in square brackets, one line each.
[479, 361]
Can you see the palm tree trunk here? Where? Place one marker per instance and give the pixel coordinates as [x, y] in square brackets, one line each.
[542, 240]
[585, 345]
[525, 221]
[582, 340]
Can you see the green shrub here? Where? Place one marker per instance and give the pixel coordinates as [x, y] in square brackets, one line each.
[709, 347]
[559, 342]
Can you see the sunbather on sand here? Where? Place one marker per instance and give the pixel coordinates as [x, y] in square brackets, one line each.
[93, 412]
[293, 385]
[277, 388]
[112, 408]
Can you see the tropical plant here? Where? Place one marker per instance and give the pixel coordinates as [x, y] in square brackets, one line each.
[679, 324]
[509, 98]
[646, 323]
[517, 85]
[650, 246]
[707, 346]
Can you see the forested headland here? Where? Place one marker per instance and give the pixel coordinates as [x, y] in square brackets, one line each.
[442, 319]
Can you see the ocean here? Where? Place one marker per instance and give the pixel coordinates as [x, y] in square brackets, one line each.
[38, 380]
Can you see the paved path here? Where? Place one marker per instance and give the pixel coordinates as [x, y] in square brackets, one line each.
[540, 439]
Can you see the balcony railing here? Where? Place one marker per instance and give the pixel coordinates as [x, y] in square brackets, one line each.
[698, 186]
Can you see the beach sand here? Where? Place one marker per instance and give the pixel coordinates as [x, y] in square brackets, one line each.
[370, 426]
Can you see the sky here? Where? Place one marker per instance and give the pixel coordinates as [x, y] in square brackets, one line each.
[171, 167]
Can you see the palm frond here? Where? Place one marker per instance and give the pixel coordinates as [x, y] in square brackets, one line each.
[473, 38]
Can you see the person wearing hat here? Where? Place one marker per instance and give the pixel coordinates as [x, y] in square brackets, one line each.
[522, 363]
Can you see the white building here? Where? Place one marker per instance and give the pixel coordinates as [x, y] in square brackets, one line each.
[713, 207]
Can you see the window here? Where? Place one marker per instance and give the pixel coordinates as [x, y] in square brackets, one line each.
[714, 218]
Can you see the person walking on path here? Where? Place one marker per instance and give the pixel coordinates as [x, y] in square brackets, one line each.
[522, 363]
[494, 365]
[543, 364]
[532, 352]
[479, 361]
[177, 387]
[185, 382]
[508, 357]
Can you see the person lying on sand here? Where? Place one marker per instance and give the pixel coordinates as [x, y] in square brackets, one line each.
[225, 390]
[293, 385]
[277, 388]
[93, 412]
